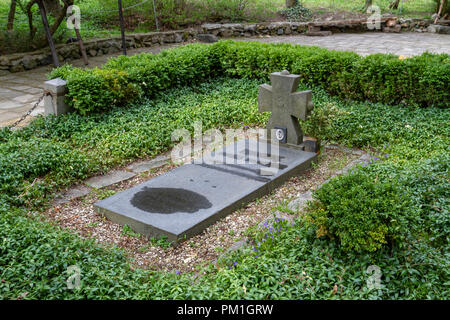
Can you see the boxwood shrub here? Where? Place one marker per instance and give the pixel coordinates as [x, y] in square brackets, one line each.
[361, 213]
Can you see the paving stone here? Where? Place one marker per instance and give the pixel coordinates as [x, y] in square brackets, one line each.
[35, 91]
[8, 105]
[4, 90]
[26, 98]
[6, 117]
[109, 179]
[71, 194]
[143, 166]
[10, 95]
[20, 88]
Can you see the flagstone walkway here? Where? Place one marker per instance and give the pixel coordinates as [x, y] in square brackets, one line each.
[20, 91]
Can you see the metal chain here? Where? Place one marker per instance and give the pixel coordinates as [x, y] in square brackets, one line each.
[29, 111]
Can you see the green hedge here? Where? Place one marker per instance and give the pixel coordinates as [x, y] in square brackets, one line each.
[362, 213]
[421, 80]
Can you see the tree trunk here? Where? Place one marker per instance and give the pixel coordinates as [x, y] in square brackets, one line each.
[290, 3]
[394, 4]
[441, 7]
[367, 5]
[11, 14]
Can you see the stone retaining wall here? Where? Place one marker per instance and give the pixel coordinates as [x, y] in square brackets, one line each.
[67, 52]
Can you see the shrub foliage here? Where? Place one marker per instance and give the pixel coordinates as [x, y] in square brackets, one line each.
[421, 80]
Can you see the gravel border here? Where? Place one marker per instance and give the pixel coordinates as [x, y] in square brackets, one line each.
[227, 234]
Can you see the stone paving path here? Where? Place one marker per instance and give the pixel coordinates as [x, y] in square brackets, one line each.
[407, 44]
[19, 91]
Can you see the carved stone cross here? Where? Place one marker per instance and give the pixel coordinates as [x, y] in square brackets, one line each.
[286, 105]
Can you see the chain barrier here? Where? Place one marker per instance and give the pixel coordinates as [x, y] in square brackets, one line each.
[46, 93]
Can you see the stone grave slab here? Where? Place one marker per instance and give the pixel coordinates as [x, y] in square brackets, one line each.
[183, 202]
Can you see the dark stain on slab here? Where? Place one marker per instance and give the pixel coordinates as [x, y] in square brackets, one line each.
[169, 200]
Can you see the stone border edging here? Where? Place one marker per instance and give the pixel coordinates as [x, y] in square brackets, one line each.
[112, 177]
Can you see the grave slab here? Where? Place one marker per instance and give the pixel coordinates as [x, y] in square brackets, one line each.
[183, 202]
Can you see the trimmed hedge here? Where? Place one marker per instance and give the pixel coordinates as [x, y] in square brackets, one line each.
[421, 80]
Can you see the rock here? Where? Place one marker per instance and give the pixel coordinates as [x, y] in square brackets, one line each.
[250, 28]
[436, 28]
[29, 62]
[280, 31]
[16, 66]
[178, 37]
[313, 28]
[75, 54]
[226, 33]
[211, 26]
[391, 22]
[4, 61]
[92, 52]
[207, 38]
[300, 202]
[156, 39]
[397, 28]
[318, 33]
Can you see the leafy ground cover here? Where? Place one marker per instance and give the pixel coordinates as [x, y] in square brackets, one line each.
[307, 260]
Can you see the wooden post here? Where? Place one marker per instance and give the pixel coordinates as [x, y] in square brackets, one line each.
[439, 12]
[122, 29]
[156, 18]
[48, 33]
[82, 49]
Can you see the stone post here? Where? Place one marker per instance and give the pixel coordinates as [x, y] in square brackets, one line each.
[54, 99]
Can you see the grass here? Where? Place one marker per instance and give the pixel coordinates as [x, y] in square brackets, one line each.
[287, 262]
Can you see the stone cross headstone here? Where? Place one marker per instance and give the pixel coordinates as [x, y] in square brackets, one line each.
[286, 105]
